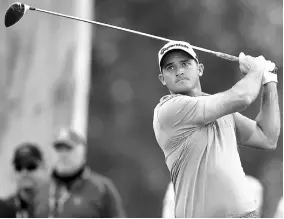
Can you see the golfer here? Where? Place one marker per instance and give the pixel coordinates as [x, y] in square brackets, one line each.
[199, 133]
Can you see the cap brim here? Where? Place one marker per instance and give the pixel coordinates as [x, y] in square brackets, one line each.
[175, 49]
[26, 160]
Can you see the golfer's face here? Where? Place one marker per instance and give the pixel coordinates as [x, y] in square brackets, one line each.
[180, 72]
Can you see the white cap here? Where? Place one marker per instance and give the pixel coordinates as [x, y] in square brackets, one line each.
[180, 45]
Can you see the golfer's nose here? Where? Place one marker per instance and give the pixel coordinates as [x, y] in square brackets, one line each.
[180, 71]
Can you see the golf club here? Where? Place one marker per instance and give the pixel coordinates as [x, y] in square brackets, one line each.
[17, 10]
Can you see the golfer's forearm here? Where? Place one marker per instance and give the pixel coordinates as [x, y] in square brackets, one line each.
[248, 88]
[236, 99]
[268, 118]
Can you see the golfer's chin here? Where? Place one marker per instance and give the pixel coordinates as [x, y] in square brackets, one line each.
[182, 88]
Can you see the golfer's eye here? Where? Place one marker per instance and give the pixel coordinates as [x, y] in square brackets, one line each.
[187, 63]
[170, 68]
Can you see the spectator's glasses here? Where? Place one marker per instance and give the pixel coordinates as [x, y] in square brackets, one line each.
[29, 167]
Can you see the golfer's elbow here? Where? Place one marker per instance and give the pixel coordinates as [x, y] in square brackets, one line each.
[272, 141]
[244, 94]
[246, 101]
[271, 146]
[246, 98]
[241, 99]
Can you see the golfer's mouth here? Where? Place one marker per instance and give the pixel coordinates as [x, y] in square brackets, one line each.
[181, 79]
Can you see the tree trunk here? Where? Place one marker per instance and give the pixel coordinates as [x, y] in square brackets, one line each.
[45, 66]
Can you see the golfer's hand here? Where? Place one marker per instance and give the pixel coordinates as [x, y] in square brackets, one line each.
[269, 66]
[269, 75]
[251, 64]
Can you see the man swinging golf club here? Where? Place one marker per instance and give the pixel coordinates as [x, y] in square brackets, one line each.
[199, 133]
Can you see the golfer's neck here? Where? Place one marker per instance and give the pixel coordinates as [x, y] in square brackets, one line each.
[194, 92]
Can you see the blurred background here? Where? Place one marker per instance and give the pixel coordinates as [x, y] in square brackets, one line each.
[56, 72]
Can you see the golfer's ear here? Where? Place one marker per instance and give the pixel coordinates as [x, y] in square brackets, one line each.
[161, 78]
[200, 69]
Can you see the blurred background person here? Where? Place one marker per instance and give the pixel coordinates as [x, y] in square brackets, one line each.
[32, 174]
[6, 210]
[76, 191]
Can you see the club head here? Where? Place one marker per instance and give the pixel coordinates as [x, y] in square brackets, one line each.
[14, 13]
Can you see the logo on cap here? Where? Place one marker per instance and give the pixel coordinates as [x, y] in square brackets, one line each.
[174, 45]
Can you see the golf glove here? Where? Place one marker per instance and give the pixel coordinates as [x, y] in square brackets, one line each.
[268, 76]
[251, 64]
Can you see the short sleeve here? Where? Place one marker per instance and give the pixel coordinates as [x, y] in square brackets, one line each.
[182, 111]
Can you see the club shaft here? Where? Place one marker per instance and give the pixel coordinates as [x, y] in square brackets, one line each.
[219, 54]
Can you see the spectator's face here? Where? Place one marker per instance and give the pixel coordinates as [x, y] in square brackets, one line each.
[69, 158]
[31, 175]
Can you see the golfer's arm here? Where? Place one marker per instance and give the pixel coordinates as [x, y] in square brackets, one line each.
[236, 99]
[249, 86]
[268, 118]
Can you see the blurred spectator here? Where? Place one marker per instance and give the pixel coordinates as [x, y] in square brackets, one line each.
[76, 191]
[31, 175]
[7, 210]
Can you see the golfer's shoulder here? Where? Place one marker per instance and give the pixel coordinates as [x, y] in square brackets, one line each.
[173, 102]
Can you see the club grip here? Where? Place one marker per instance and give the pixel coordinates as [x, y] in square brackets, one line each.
[227, 57]
[236, 59]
